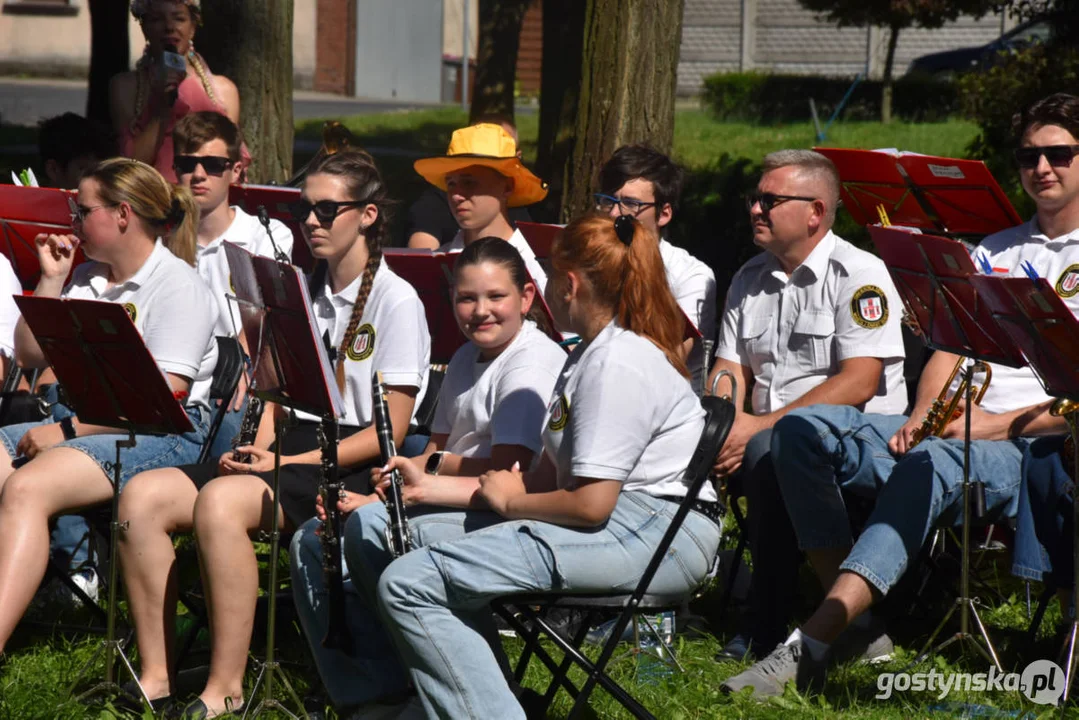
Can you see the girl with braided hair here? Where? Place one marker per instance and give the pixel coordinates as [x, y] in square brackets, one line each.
[374, 321]
[123, 208]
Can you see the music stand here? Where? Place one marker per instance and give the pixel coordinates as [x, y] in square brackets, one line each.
[291, 369]
[110, 379]
[933, 277]
[24, 213]
[1047, 332]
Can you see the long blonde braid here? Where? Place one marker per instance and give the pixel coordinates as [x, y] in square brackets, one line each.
[368, 281]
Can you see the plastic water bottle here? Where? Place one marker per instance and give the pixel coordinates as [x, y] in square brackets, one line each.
[651, 664]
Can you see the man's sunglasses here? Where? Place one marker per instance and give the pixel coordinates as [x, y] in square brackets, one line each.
[1056, 155]
[770, 200]
[212, 164]
[325, 210]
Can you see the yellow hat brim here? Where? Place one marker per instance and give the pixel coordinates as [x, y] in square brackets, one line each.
[527, 188]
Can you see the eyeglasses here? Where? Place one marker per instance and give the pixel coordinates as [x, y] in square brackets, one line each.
[79, 212]
[770, 200]
[1056, 155]
[627, 206]
[212, 164]
[325, 210]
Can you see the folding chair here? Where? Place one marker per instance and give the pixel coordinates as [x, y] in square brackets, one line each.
[528, 620]
[227, 375]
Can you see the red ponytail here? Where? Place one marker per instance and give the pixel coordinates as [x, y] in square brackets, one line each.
[629, 277]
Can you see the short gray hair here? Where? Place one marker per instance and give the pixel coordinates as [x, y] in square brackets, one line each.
[813, 165]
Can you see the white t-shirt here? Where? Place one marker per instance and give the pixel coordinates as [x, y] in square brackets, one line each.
[793, 331]
[172, 308]
[620, 411]
[694, 287]
[213, 267]
[501, 401]
[391, 338]
[9, 311]
[518, 241]
[1056, 260]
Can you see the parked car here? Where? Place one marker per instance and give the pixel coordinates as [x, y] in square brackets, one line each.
[945, 65]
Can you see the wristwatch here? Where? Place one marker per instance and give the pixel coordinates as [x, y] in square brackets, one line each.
[68, 426]
[434, 463]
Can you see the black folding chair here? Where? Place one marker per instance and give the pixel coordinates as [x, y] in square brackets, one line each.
[524, 613]
[227, 375]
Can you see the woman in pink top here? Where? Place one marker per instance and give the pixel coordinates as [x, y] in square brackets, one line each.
[148, 101]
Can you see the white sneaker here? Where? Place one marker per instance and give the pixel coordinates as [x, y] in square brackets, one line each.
[88, 582]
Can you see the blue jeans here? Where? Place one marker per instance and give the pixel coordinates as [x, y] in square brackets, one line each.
[823, 451]
[229, 429]
[430, 596]
[373, 670]
[1043, 532]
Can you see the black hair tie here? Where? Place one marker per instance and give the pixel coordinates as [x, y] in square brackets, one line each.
[176, 213]
[624, 227]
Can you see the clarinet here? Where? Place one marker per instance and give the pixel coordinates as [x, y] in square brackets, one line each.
[249, 428]
[397, 534]
[331, 489]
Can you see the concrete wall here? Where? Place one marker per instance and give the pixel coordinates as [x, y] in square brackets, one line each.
[781, 36]
[59, 45]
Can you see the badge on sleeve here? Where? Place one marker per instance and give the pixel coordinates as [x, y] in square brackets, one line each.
[869, 307]
[363, 344]
[559, 415]
[131, 310]
[1068, 284]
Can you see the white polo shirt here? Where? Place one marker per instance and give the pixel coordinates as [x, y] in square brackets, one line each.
[9, 311]
[694, 287]
[1056, 260]
[794, 331]
[213, 267]
[392, 338]
[518, 241]
[501, 401]
[620, 411]
[172, 308]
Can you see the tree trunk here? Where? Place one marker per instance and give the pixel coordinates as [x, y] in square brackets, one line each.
[887, 82]
[496, 63]
[109, 54]
[560, 87]
[250, 42]
[629, 66]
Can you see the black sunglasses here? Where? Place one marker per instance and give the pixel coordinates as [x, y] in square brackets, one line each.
[770, 200]
[1056, 155]
[325, 210]
[212, 164]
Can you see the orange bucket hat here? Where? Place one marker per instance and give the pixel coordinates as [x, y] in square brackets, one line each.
[488, 145]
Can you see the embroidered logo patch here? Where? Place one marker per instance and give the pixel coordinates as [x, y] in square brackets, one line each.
[131, 310]
[363, 344]
[559, 415]
[1068, 284]
[869, 307]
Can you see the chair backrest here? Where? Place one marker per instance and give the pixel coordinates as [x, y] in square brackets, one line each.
[226, 378]
[425, 414]
[719, 418]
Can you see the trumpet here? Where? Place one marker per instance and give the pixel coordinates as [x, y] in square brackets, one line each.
[1067, 409]
[943, 411]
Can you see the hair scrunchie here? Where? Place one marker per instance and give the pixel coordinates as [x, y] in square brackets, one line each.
[176, 213]
[624, 227]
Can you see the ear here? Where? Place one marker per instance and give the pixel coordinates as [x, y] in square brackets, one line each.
[664, 215]
[572, 288]
[816, 216]
[236, 171]
[368, 217]
[528, 296]
[123, 216]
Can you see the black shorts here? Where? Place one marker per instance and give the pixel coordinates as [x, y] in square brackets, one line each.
[298, 483]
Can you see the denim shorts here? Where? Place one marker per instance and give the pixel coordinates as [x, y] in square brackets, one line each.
[150, 451]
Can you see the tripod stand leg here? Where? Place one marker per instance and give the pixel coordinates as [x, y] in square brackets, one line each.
[992, 654]
[928, 647]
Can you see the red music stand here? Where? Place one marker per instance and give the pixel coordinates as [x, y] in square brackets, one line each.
[936, 194]
[24, 213]
[291, 368]
[111, 379]
[933, 277]
[431, 274]
[1047, 331]
[277, 201]
[540, 237]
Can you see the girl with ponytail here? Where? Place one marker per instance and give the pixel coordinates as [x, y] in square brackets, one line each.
[123, 208]
[371, 320]
[618, 432]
